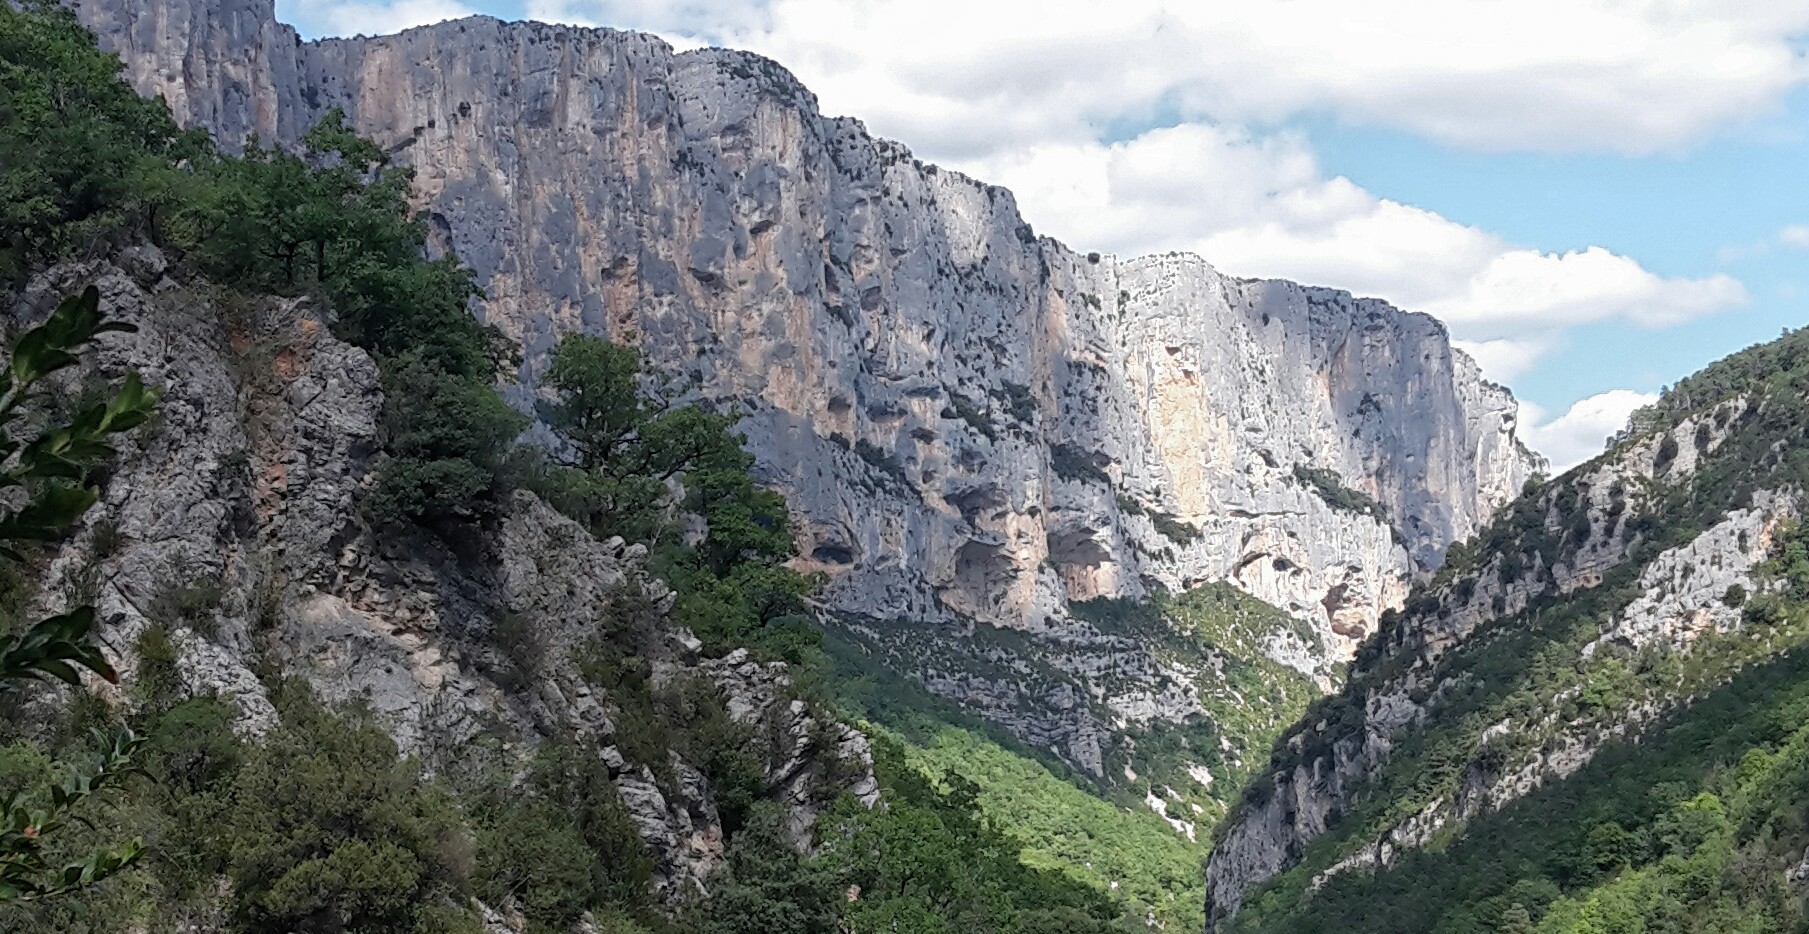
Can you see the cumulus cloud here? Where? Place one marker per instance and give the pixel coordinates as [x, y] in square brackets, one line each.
[369, 17]
[1503, 359]
[1796, 235]
[1539, 74]
[1582, 431]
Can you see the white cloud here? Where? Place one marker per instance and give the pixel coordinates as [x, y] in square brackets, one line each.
[1503, 359]
[369, 17]
[1527, 290]
[1581, 432]
[1259, 206]
[1620, 75]
[1796, 235]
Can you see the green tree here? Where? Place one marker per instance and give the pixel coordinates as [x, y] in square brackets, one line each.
[331, 832]
[621, 450]
[597, 407]
[83, 159]
[560, 842]
[1608, 846]
[930, 862]
[448, 437]
[334, 219]
[769, 888]
[624, 457]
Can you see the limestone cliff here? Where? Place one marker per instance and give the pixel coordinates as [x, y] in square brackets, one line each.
[232, 522]
[973, 424]
[962, 412]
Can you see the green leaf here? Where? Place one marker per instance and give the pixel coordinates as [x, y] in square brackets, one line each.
[48, 515]
[50, 647]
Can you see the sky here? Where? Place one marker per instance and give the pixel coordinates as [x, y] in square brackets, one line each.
[1597, 197]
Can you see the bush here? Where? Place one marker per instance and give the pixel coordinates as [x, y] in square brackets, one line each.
[330, 831]
[448, 437]
[770, 888]
[1329, 486]
[1072, 463]
[1174, 529]
[532, 857]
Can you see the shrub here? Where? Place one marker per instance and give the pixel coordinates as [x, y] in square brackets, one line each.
[1072, 463]
[330, 830]
[448, 437]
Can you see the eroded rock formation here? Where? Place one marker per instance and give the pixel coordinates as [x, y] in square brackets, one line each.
[232, 522]
[970, 419]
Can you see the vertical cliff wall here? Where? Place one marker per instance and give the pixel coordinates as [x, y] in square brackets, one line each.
[973, 423]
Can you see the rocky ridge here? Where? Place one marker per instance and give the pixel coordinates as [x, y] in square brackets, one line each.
[232, 522]
[1595, 543]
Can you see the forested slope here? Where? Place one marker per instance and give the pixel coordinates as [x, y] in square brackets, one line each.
[1591, 720]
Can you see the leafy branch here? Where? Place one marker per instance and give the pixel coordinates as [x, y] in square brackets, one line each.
[24, 829]
[51, 470]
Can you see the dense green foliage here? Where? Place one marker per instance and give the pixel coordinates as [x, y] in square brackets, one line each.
[84, 160]
[449, 438]
[623, 453]
[932, 862]
[321, 827]
[329, 830]
[1126, 850]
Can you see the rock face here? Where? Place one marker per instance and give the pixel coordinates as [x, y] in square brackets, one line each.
[971, 421]
[232, 522]
[1588, 543]
[974, 425]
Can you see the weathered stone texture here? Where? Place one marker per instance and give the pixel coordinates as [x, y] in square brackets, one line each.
[959, 410]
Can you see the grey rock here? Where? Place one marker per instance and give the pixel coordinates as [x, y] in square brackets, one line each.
[248, 483]
[836, 288]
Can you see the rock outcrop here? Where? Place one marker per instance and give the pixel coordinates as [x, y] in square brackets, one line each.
[232, 524]
[970, 421]
[1599, 544]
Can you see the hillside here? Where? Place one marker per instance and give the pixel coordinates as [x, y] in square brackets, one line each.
[589, 489]
[1591, 720]
[974, 426]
